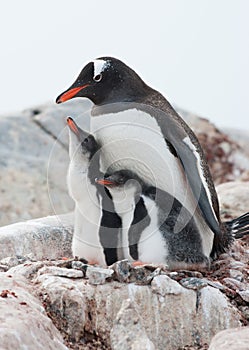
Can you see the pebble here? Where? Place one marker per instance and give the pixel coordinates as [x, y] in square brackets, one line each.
[3, 268]
[178, 275]
[216, 285]
[142, 276]
[164, 285]
[237, 275]
[98, 275]
[244, 295]
[245, 311]
[78, 265]
[237, 265]
[121, 270]
[10, 261]
[233, 283]
[60, 271]
[193, 283]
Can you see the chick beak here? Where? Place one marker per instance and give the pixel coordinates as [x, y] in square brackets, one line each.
[105, 182]
[73, 126]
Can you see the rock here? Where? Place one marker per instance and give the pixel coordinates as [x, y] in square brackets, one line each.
[178, 275]
[232, 339]
[87, 313]
[33, 164]
[3, 268]
[9, 261]
[79, 309]
[215, 311]
[65, 303]
[163, 285]
[78, 265]
[60, 271]
[237, 265]
[24, 158]
[238, 275]
[217, 285]
[97, 275]
[244, 295]
[227, 160]
[193, 283]
[121, 270]
[234, 198]
[46, 238]
[233, 284]
[142, 275]
[27, 270]
[127, 332]
[52, 117]
[240, 136]
[23, 321]
[124, 271]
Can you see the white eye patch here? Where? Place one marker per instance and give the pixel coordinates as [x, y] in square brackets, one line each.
[100, 66]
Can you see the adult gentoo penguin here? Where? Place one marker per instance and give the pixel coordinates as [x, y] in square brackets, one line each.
[141, 131]
[96, 226]
[151, 215]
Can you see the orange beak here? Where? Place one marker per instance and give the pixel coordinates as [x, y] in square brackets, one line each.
[73, 126]
[70, 94]
[104, 182]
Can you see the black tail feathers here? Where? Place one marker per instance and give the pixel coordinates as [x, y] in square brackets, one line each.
[238, 227]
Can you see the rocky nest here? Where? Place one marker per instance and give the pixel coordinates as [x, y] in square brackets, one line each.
[122, 306]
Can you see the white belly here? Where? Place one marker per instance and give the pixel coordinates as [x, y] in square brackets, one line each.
[132, 140]
[152, 247]
[126, 222]
[124, 204]
[86, 242]
[88, 213]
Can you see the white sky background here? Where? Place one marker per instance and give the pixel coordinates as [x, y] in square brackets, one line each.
[195, 52]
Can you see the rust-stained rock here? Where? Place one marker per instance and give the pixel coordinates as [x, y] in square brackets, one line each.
[227, 159]
[23, 320]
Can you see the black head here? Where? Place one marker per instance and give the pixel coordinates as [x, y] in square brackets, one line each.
[87, 141]
[106, 80]
[118, 179]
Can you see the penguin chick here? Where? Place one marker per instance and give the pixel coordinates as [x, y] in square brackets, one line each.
[161, 230]
[96, 229]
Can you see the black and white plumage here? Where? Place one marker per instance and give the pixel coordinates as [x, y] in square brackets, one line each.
[160, 229]
[153, 233]
[96, 226]
[163, 150]
[238, 227]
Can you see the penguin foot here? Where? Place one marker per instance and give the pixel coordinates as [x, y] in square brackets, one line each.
[138, 263]
[92, 262]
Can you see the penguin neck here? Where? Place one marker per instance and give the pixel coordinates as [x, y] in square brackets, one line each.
[124, 200]
[130, 93]
[79, 162]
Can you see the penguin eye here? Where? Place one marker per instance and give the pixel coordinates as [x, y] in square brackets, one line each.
[85, 141]
[97, 77]
[122, 180]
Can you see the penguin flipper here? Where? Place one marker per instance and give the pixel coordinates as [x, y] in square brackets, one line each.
[188, 150]
[191, 164]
